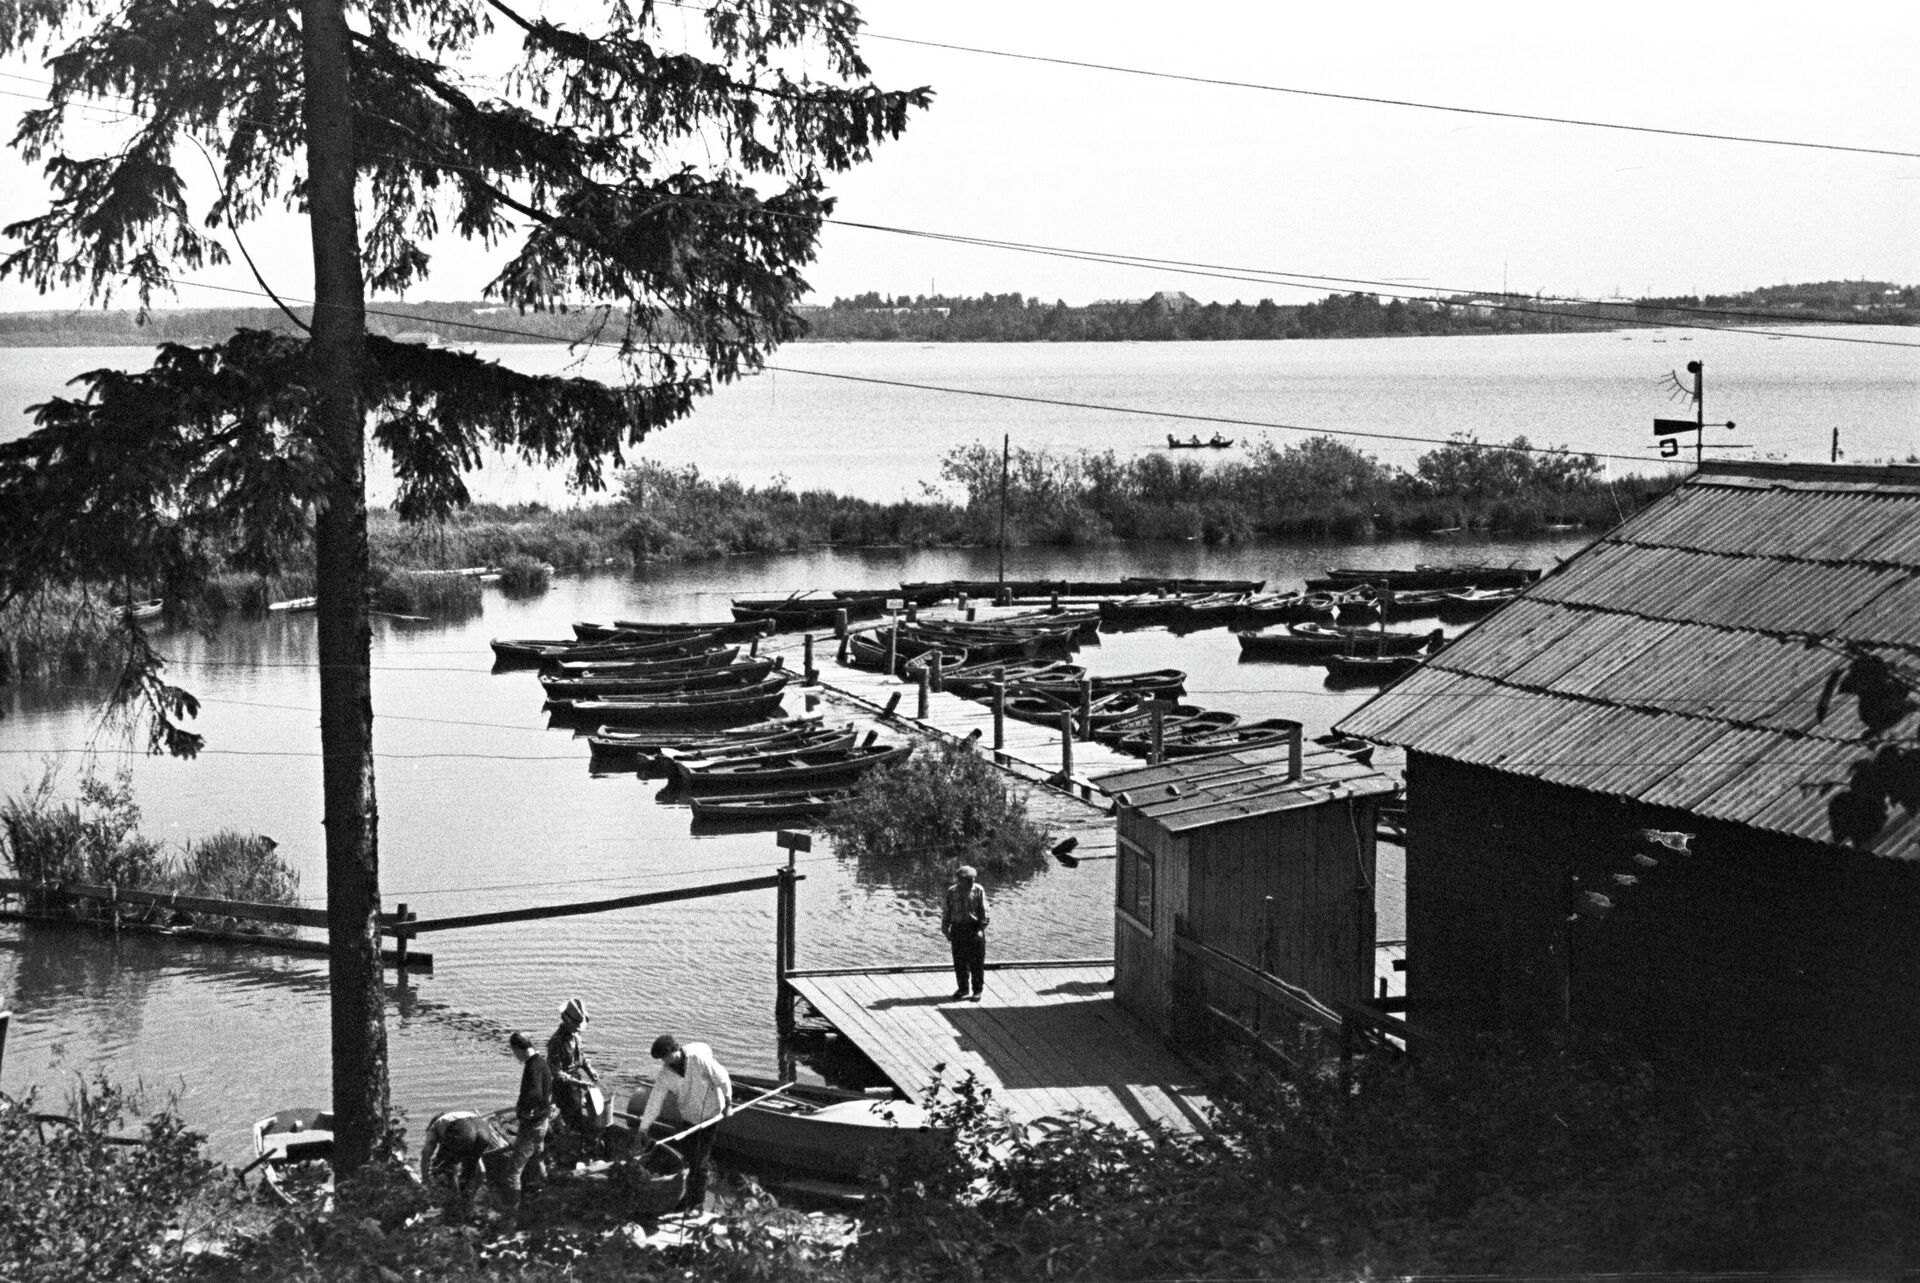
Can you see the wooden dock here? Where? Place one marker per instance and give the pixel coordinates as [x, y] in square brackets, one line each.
[1047, 1039]
[1028, 750]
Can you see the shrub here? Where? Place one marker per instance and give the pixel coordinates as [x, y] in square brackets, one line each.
[421, 592]
[523, 576]
[75, 1205]
[237, 866]
[93, 840]
[943, 806]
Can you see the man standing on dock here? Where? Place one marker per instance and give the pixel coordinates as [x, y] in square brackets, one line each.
[534, 1110]
[702, 1090]
[963, 920]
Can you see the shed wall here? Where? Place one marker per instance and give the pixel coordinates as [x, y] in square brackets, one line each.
[1750, 948]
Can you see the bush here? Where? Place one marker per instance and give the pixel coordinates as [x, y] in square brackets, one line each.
[237, 866]
[523, 576]
[75, 1205]
[423, 592]
[93, 840]
[943, 806]
[67, 633]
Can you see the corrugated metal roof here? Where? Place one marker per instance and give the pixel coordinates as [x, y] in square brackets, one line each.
[1199, 792]
[1685, 659]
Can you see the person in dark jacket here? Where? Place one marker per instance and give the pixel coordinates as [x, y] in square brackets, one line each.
[534, 1112]
[573, 1073]
[963, 920]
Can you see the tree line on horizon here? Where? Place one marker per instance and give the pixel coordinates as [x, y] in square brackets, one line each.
[1016, 318]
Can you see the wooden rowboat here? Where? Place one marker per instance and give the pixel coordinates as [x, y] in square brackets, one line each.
[825, 1132]
[294, 1149]
[808, 768]
[1305, 643]
[1474, 603]
[1369, 670]
[771, 807]
[718, 657]
[679, 763]
[642, 748]
[691, 708]
[730, 630]
[693, 679]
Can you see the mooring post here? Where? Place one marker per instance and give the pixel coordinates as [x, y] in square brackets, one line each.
[1053, 604]
[913, 611]
[841, 655]
[808, 676]
[786, 923]
[936, 671]
[925, 679]
[113, 904]
[840, 626]
[6, 1018]
[753, 649]
[893, 702]
[1157, 713]
[400, 940]
[893, 650]
[1066, 745]
[1086, 708]
[963, 598]
[999, 716]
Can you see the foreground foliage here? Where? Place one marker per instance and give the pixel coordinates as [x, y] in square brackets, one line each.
[1555, 1161]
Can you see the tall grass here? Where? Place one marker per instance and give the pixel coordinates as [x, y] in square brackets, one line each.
[63, 633]
[422, 592]
[943, 807]
[94, 839]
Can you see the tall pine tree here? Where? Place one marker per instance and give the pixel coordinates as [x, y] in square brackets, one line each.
[665, 163]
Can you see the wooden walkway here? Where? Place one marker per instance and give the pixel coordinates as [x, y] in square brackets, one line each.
[1047, 1039]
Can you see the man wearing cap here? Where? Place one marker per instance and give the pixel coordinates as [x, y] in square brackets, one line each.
[701, 1089]
[573, 1073]
[459, 1144]
[534, 1110]
[963, 920]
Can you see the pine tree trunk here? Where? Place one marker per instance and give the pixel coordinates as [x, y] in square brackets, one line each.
[341, 569]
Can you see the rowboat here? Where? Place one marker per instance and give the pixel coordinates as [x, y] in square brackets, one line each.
[1166, 682]
[1045, 710]
[730, 630]
[1308, 642]
[610, 745]
[1213, 610]
[1247, 735]
[1369, 670]
[865, 650]
[807, 768]
[679, 762]
[1263, 610]
[1217, 442]
[719, 657]
[1474, 603]
[293, 1149]
[1174, 732]
[807, 612]
[615, 741]
[693, 679]
[1454, 577]
[689, 708]
[911, 639]
[826, 1132]
[1153, 583]
[771, 807]
[1414, 604]
[1147, 610]
[554, 651]
[1084, 623]
[976, 681]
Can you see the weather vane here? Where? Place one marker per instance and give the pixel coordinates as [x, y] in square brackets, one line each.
[1669, 430]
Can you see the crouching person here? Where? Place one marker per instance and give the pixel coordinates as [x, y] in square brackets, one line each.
[461, 1150]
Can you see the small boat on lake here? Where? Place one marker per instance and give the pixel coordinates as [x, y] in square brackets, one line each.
[1454, 577]
[1215, 442]
[976, 681]
[1268, 733]
[1263, 610]
[721, 707]
[1211, 610]
[1369, 670]
[781, 770]
[1475, 603]
[1174, 731]
[719, 657]
[511, 651]
[596, 685]
[615, 744]
[772, 807]
[294, 1149]
[1305, 643]
[1148, 610]
[796, 612]
[730, 630]
[1166, 682]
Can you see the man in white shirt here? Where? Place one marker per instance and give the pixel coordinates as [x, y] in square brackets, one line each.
[701, 1089]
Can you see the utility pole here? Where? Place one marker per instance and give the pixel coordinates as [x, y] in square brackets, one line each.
[1006, 456]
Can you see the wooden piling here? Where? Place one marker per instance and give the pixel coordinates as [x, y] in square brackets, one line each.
[401, 918]
[893, 651]
[840, 628]
[893, 702]
[999, 716]
[936, 675]
[1066, 745]
[1157, 715]
[925, 680]
[808, 674]
[1086, 708]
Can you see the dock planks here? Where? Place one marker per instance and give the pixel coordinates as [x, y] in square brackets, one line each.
[1047, 1040]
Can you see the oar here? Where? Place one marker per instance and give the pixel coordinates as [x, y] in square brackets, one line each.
[765, 1095]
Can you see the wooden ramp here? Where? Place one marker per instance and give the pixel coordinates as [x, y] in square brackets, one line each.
[1046, 1038]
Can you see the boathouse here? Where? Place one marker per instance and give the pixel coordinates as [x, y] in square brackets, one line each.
[1673, 791]
[1244, 895]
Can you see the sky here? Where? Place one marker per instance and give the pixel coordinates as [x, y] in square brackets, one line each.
[1253, 182]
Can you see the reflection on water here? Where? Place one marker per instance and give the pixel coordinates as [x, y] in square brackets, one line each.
[482, 807]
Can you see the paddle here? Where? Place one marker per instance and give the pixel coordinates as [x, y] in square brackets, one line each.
[765, 1095]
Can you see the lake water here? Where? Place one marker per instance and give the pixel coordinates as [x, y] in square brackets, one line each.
[482, 806]
[884, 440]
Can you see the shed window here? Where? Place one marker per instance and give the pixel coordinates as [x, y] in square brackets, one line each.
[1135, 883]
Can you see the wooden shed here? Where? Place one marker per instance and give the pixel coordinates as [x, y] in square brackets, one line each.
[1245, 888]
[1672, 792]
